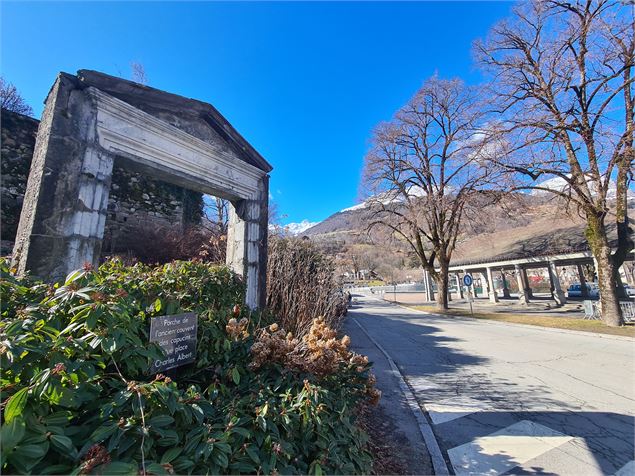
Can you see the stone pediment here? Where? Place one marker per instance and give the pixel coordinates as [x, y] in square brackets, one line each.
[197, 118]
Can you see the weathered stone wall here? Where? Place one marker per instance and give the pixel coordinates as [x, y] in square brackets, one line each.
[138, 202]
[135, 200]
[18, 141]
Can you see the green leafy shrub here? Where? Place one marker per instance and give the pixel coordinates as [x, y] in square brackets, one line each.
[77, 398]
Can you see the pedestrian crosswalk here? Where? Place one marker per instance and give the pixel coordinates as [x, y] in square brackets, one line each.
[452, 408]
[505, 449]
[481, 438]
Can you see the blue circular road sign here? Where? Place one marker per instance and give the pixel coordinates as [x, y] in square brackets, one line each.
[467, 280]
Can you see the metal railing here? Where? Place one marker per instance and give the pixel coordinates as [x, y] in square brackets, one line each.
[593, 310]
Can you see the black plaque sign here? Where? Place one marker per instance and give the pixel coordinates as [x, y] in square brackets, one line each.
[176, 335]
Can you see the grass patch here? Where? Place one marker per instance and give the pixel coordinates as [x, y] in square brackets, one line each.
[542, 320]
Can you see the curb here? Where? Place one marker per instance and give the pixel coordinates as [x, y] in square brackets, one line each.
[438, 462]
[515, 324]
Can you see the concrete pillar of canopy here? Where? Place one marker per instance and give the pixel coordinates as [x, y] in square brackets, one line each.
[484, 284]
[505, 287]
[523, 293]
[527, 288]
[558, 294]
[493, 296]
[459, 284]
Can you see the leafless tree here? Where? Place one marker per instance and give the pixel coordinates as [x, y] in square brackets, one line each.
[216, 213]
[11, 99]
[562, 81]
[362, 258]
[138, 73]
[423, 169]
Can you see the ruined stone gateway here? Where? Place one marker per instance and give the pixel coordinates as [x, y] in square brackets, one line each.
[90, 120]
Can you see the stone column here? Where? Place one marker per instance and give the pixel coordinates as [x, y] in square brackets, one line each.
[66, 198]
[484, 283]
[505, 287]
[527, 288]
[558, 294]
[493, 296]
[523, 293]
[459, 284]
[247, 244]
[583, 289]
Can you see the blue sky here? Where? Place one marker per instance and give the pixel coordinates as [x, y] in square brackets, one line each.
[304, 83]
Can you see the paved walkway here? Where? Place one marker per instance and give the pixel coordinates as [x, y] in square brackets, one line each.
[400, 426]
[512, 399]
[541, 304]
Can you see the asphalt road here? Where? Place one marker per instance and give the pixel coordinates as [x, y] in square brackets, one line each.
[511, 399]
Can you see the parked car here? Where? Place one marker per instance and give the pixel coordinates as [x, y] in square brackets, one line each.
[630, 290]
[575, 290]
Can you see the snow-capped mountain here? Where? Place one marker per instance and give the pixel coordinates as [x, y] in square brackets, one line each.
[297, 228]
[359, 206]
[386, 198]
[560, 185]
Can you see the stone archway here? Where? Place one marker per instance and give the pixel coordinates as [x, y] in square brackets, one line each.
[91, 118]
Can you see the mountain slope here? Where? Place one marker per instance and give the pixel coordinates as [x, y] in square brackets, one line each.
[529, 225]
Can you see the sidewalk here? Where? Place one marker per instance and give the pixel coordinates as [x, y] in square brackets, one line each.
[541, 304]
[397, 421]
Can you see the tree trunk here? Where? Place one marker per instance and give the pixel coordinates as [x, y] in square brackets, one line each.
[598, 241]
[441, 279]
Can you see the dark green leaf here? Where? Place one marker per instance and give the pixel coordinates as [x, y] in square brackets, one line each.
[253, 454]
[241, 431]
[64, 445]
[31, 452]
[11, 434]
[160, 421]
[117, 468]
[170, 454]
[56, 469]
[103, 432]
[156, 468]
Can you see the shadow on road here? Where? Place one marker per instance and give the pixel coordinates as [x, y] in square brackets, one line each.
[580, 442]
[594, 441]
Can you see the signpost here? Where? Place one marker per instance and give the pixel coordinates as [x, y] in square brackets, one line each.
[176, 335]
[467, 280]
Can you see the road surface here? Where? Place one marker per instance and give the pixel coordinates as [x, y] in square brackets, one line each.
[511, 399]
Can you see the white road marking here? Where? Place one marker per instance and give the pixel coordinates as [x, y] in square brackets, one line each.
[627, 470]
[504, 449]
[422, 383]
[453, 408]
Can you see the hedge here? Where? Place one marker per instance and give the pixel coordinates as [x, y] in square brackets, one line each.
[77, 397]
